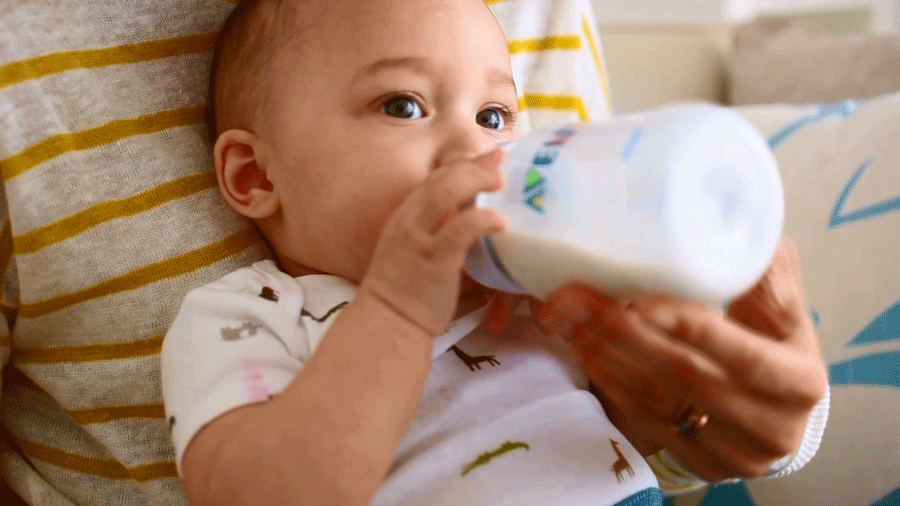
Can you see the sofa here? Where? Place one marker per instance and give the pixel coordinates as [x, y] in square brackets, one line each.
[829, 105]
[110, 214]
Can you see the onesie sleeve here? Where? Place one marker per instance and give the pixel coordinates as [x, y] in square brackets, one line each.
[234, 342]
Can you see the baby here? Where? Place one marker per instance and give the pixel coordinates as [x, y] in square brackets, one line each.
[357, 369]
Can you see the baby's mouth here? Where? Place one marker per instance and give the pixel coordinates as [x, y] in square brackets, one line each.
[467, 204]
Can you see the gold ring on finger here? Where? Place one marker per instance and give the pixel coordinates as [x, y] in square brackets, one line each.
[690, 421]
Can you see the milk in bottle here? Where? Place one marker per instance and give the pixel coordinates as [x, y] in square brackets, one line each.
[685, 200]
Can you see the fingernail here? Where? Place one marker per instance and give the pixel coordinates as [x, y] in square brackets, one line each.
[663, 317]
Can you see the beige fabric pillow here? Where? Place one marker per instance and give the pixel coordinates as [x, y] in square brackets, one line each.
[109, 214]
[778, 60]
[839, 163]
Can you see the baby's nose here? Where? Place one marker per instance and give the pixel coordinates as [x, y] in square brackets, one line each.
[466, 143]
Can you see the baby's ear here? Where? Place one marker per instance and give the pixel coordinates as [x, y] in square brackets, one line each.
[242, 177]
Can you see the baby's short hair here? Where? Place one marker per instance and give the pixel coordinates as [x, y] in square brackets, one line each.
[246, 50]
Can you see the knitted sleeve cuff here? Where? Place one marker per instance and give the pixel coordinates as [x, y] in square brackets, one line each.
[812, 438]
[675, 479]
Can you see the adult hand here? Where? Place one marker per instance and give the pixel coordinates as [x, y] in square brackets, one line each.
[756, 370]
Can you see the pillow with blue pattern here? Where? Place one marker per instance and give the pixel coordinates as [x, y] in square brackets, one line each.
[840, 164]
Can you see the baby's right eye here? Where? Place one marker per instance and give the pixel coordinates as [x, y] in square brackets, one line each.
[402, 107]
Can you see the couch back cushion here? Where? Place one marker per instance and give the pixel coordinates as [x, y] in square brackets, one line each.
[785, 60]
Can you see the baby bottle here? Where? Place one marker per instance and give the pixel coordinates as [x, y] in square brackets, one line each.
[685, 200]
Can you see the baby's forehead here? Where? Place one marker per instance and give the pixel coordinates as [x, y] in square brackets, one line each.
[302, 29]
[340, 17]
[301, 39]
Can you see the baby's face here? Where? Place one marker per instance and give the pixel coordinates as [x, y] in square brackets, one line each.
[382, 93]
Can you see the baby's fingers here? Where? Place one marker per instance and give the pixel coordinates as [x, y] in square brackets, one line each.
[450, 189]
[464, 228]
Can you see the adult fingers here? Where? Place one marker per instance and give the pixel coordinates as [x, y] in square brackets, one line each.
[764, 366]
[654, 368]
[755, 403]
[749, 426]
[776, 304]
[649, 426]
[595, 344]
[683, 341]
[661, 376]
[718, 451]
[501, 311]
[505, 304]
[534, 305]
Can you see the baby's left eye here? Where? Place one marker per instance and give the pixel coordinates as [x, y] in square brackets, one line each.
[402, 107]
[491, 118]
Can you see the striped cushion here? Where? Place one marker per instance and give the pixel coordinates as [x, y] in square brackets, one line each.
[557, 61]
[111, 214]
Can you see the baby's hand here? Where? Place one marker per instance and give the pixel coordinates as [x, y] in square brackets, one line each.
[417, 262]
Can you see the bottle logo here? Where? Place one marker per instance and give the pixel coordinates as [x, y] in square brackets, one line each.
[535, 186]
[534, 190]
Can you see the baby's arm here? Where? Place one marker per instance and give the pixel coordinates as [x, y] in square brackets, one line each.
[330, 436]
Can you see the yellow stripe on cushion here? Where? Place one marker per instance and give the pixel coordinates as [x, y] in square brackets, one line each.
[142, 276]
[96, 466]
[88, 352]
[571, 102]
[598, 60]
[110, 413]
[544, 43]
[105, 211]
[97, 136]
[38, 66]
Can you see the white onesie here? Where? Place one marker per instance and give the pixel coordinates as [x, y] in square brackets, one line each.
[502, 420]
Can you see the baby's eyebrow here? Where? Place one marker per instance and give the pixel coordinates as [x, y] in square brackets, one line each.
[499, 79]
[417, 63]
[495, 77]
